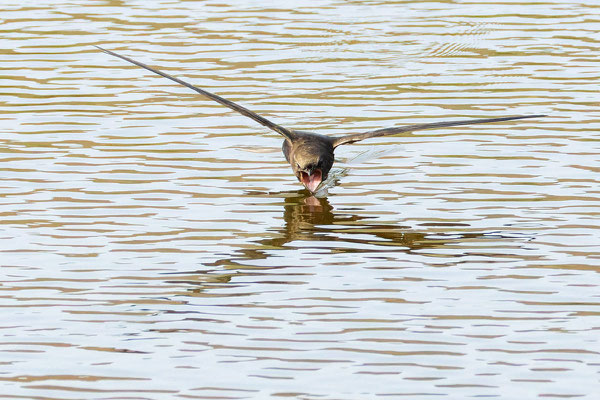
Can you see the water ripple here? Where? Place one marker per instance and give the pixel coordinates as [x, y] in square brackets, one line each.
[151, 240]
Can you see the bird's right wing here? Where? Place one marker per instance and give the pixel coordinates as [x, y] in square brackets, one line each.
[242, 110]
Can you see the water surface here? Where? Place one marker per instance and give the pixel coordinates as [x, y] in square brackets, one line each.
[156, 245]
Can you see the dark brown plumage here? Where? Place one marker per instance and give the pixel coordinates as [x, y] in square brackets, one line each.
[311, 154]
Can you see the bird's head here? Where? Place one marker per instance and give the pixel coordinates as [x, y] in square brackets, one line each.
[310, 167]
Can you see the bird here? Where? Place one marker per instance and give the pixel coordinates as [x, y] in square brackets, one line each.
[311, 155]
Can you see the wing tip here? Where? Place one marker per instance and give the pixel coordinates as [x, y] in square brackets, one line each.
[535, 116]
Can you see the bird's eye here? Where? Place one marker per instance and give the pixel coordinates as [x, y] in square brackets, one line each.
[298, 166]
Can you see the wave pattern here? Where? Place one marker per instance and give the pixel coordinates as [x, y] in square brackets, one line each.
[155, 245]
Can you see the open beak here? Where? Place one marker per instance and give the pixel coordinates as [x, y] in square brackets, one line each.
[312, 181]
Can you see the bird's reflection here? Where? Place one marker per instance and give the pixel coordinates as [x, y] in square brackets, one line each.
[311, 219]
[308, 219]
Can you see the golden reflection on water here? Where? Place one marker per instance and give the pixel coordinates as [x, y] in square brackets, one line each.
[155, 244]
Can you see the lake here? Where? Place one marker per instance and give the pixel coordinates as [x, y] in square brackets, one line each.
[156, 245]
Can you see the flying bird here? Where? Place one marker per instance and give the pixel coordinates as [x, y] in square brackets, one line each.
[311, 154]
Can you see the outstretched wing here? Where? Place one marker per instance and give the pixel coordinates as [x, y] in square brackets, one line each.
[419, 127]
[242, 110]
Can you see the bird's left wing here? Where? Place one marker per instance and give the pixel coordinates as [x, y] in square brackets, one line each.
[419, 127]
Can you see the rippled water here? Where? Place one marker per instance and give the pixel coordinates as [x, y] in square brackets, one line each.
[156, 245]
